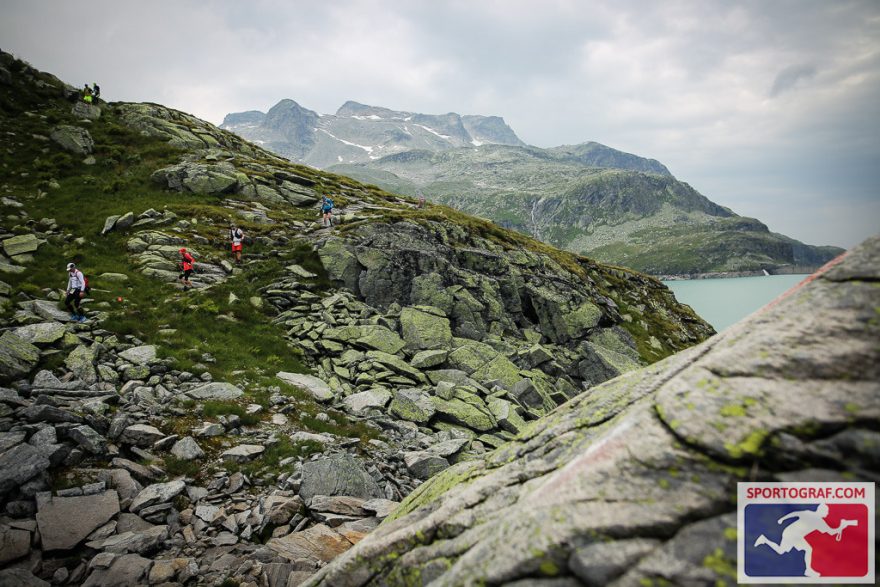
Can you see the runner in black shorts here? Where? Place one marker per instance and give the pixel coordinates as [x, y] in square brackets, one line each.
[76, 283]
[186, 266]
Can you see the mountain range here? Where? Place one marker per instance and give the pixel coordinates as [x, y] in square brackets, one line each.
[588, 198]
[358, 133]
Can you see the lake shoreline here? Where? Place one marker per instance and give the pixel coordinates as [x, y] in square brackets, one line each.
[723, 302]
[787, 270]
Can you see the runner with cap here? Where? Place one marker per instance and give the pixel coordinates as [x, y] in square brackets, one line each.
[76, 284]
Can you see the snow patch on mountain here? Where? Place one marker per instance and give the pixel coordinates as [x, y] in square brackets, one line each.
[432, 131]
[364, 147]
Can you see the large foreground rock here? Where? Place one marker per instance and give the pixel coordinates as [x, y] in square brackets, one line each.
[647, 463]
[156, 493]
[317, 388]
[124, 571]
[319, 542]
[140, 355]
[337, 475]
[17, 356]
[81, 361]
[20, 578]
[198, 178]
[50, 311]
[43, 333]
[73, 138]
[425, 327]
[22, 244]
[19, 464]
[64, 522]
[218, 391]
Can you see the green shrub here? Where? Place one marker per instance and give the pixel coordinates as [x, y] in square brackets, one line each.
[176, 467]
[214, 408]
[270, 460]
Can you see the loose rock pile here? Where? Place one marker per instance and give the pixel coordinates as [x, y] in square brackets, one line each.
[17, 248]
[466, 355]
[439, 398]
[126, 519]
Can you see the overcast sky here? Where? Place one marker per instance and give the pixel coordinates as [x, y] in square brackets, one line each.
[769, 108]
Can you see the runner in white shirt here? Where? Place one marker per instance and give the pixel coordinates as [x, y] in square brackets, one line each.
[236, 235]
[76, 284]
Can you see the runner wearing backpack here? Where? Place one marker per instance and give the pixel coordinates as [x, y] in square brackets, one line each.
[186, 268]
[236, 236]
[326, 211]
[77, 285]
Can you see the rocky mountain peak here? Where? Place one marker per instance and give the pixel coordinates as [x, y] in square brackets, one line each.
[361, 133]
[352, 109]
[251, 117]
[597, 155]
[289, 110]
[490, 129]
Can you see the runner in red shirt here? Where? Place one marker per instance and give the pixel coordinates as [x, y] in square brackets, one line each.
[186, 266]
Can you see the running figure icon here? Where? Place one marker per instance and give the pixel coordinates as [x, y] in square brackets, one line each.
[794, 536]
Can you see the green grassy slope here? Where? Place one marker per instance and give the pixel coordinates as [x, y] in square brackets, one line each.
[578, 201]
[200, 330]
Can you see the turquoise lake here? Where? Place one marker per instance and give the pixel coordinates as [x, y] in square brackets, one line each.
[723, 302]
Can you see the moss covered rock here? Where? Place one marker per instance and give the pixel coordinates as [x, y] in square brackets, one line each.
[471, 355]
[21, 244]
[506, 414]
[81, 361]
[428, 359]
[500, 370]
[369, 336]
[17, 356]
[412, 405]
[457, 411]
[425, 327]
[43, 333]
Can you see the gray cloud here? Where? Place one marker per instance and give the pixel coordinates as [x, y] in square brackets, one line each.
[710, 88]
[790, 76]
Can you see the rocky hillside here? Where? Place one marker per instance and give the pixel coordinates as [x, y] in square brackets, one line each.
[592, 200]
[634, 483]
[358, 133]
[588, 199]
[251, 429]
